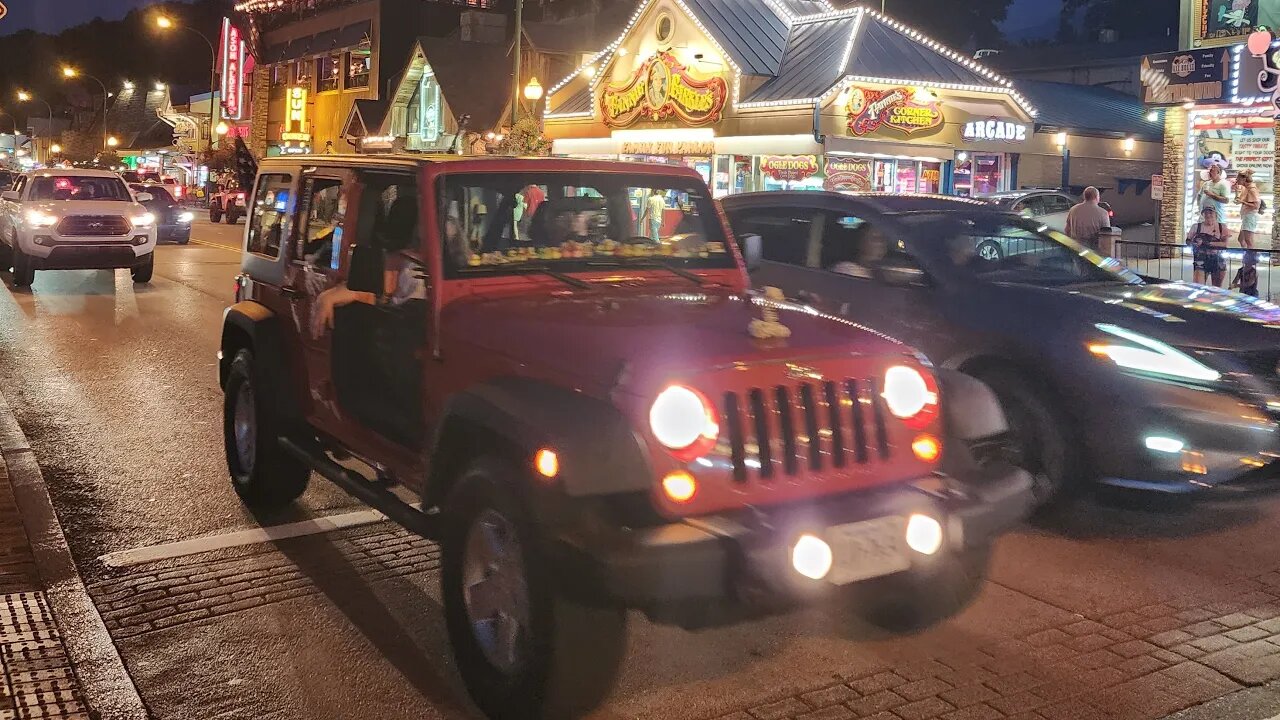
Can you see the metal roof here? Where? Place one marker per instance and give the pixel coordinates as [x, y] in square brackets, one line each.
[800, 8]
[1087, 108]
[751, 31]
[579, 102]
[885, 52]
[811, 65]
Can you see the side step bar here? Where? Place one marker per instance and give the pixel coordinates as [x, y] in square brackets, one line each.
[372, 494]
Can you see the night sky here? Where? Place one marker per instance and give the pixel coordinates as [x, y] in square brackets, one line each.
[1027, 18]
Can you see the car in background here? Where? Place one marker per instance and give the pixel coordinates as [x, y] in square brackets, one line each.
[75, 219]
[173, 222]
[1048, 207]
[1168, 387]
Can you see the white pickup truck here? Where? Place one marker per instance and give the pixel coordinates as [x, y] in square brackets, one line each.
[71, 219]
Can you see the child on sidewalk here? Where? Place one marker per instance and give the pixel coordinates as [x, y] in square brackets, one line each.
[1246, 279]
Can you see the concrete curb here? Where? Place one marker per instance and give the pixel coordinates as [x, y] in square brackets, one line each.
[105, 682]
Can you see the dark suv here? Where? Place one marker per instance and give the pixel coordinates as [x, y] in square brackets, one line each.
[594, 412]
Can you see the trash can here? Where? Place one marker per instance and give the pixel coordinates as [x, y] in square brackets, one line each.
[1107, 239]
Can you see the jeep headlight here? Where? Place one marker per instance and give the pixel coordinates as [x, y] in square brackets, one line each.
[684, 421]
[40, 219]
[145, 220]
[1148, 355]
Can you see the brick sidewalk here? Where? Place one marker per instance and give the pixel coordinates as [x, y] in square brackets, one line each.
[39, 681]
[1140, 664]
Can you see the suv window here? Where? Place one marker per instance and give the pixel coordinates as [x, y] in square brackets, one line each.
[854, 246]
[269, 218]
[503, 223]
[787, 235]
[19, 184]
[319, 239]
[1056, 204]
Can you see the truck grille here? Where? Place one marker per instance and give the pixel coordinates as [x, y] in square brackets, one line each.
[804, 427]
[93, 226]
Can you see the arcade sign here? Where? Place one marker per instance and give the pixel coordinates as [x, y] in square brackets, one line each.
[994, 129]
[789, 168]
[908, 110]
[232, 71]
[662, 89]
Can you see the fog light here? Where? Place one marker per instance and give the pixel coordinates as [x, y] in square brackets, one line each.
[547, 463]
[926, 448]
[924, 534]
[679, 486]
[140, 240]
[811, 557]
[1164, 444]
[42, 240]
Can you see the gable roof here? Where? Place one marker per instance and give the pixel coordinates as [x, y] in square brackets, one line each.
[884, 50]
[1089, 108]
[134, 118]
[754, 33]
[365, 114]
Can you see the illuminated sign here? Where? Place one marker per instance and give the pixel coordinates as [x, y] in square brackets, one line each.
[3, 11]
[994, 129]
[1227, 20]
[1262, 46]
[789, 168]
[661, 89]
[904, 109]
[1186, 76]
[295, 116]
[232, 71]
[848, 174]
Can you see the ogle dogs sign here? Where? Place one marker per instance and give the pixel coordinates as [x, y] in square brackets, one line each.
[994, 129]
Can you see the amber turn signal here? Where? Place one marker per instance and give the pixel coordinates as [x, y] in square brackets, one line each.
[679, 486]
[927, 448]
[547, 463]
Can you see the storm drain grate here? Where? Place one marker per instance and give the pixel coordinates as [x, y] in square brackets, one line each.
[38, 679]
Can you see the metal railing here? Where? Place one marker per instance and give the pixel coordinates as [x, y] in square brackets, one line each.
[1162, 261]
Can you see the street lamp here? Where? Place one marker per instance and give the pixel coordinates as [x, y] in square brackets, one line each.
[24, 96]
[55, 148]
[533, 93]
[71, 73]
[112, 141]
[164, 22]
[222, 128]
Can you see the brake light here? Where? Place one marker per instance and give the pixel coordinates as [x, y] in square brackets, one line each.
[911, 396]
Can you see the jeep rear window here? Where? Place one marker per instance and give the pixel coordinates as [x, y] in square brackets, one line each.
[507, 223]
[74, 187]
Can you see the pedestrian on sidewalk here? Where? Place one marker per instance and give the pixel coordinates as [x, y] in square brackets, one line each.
[1087, 219]
[1246, 280]
[1215, 192]
[1250, 207]
[1208, 238]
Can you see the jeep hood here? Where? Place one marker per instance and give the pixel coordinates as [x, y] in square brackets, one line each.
[647, 338]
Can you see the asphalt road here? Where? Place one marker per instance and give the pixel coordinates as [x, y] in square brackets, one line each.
[115, 386]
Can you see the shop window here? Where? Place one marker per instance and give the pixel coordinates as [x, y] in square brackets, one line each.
[424, 114]
[319, 240]
[328, 72]
[302, 73]
[359, 67]
[269, 216]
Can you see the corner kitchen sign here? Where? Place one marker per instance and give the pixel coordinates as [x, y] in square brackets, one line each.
[661, 89]
[908, 110]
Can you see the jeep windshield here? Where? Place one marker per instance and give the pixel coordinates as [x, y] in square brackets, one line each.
[75, 187]
[510, 223]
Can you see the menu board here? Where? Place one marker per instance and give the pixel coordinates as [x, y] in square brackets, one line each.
[1254, 152]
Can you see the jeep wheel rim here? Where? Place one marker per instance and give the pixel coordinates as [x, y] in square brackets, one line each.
[244, 429]
[495, 593]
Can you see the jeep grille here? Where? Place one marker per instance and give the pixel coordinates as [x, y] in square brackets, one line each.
[814, 424]
[93, 226]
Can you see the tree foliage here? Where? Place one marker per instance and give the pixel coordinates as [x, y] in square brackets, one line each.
[1130, 19]
[525, 138]
[962, 24]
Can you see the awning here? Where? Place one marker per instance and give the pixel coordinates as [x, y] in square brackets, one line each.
[325, 42]
[876, 148]
[353, 35]
[297, 48]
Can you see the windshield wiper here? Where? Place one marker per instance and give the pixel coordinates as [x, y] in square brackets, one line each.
[652, 264]
[562, 277]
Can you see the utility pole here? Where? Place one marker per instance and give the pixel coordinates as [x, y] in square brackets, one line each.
[515, 78]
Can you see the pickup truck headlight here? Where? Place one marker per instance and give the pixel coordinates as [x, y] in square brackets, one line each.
[40, 219]
[1148, 355]
[145, 220]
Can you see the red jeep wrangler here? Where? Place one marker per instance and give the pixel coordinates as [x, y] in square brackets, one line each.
[561, 361]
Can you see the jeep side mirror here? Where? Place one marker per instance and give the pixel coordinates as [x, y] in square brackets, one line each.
[144, 197]
[752, 250]
[10, 195]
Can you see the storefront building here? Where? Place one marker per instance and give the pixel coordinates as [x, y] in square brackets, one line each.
[1215, 113]
[765, 95]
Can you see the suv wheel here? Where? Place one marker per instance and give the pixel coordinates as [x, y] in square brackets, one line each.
[23, 273]
[142, 273]
[263, 474]
[522, 647]
[1041, 437]
[914, 600]
[215, 214]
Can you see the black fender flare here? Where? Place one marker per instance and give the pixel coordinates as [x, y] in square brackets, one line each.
[253, 325]
[600, 453]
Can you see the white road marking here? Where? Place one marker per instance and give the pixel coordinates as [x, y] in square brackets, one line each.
[183, 548]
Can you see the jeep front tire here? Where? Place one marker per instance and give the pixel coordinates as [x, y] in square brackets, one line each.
[918, 599]
[263, 474]
[522, 647]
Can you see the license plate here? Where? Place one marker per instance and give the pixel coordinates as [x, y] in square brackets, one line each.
[867, 549]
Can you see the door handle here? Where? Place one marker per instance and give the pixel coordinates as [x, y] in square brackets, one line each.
[290, 292]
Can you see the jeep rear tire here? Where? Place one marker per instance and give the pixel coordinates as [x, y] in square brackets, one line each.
[232, 217]
[524, 650]
[215, 214]
[23, 273]
[918, 599]
[263, 474]
[142, 273]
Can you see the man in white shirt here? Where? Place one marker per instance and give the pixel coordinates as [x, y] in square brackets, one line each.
[1087, 219]
[654, 208]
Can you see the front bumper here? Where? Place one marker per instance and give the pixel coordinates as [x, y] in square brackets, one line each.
[744, 558]
[47, 250]
[1230, 441]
